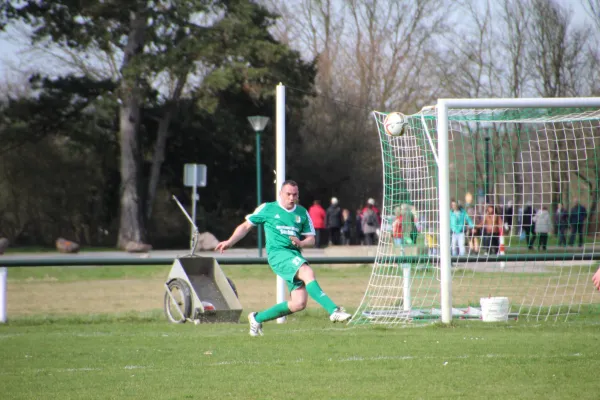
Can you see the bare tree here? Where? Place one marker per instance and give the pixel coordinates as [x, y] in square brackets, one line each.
[556, 49]
[392, 47]
[371, 55]
[472, 69]
[592, 7]
[471, 54]
[515, 17]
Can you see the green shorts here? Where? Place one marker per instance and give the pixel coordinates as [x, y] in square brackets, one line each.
[285, 263]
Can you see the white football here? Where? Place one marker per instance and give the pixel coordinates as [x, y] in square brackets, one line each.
[395, 124]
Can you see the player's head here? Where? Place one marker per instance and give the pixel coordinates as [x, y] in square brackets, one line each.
[289, 194]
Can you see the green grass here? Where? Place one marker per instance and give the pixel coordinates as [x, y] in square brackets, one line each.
[138, 355]
[305, 358]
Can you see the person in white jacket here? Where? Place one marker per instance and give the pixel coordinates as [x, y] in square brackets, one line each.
[542, 227]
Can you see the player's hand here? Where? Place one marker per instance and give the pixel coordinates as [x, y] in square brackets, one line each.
[596, 279]
[222, 246]
[296, 242]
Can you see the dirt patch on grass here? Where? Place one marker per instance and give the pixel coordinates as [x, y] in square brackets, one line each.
[122, 295]
[84, 297]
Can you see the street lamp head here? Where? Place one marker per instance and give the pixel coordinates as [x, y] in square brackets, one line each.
[258, 122]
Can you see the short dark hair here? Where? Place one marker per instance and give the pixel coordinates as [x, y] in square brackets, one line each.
[289, 182]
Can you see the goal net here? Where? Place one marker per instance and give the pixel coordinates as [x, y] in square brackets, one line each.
[525, 177]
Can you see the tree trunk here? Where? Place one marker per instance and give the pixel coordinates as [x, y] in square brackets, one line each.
[131, 225]
[161, 143]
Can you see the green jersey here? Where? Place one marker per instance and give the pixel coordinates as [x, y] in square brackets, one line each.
[280, 224]
[284, 258]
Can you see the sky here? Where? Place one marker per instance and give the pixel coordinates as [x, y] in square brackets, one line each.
[13, 60]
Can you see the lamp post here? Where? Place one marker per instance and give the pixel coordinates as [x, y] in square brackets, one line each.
[258, 123]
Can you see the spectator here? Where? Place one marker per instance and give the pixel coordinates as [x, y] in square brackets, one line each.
[369, 224]
[410, 232]
[334, 221]
[508, 217]
[431, 239]
[561, 222]
[577, 219]
[475, 232]
[360, 236]
[491, 230]
[346, 227]
[317, 214]
[527, 223]
[542, 227]
[397, 234]
[458, 220]
[371, 202]
[409, 220]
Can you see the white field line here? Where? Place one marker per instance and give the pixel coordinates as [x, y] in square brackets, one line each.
[9, 335]
[443, 360]
[242, 328]
[65, 370]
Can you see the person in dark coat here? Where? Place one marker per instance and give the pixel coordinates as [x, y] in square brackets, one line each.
[334, 221]
[527, 225]
[577, 218]
[561, 222]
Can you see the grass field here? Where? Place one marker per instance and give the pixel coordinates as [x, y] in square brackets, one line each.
[99, 333]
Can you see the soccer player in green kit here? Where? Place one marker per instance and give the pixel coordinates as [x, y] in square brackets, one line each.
[285, 222]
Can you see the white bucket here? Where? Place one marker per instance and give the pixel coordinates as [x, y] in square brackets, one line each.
[494, 309]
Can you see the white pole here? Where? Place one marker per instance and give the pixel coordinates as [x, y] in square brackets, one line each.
[280, 167]
[444, 185]
[406, 287]
[194, 194]
[3, 297]
[501, 251]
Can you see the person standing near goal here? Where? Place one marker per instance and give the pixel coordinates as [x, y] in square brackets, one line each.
[459, 219]
[285, 222]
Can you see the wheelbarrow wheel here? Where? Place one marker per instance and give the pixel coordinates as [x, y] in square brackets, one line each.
[181, 293]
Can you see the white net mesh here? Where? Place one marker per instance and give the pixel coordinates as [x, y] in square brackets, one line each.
[523, 163]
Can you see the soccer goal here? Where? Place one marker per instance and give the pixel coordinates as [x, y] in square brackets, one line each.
[526, 172]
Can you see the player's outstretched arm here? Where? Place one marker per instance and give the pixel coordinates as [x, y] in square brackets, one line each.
[240, 232]
[596, 279]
